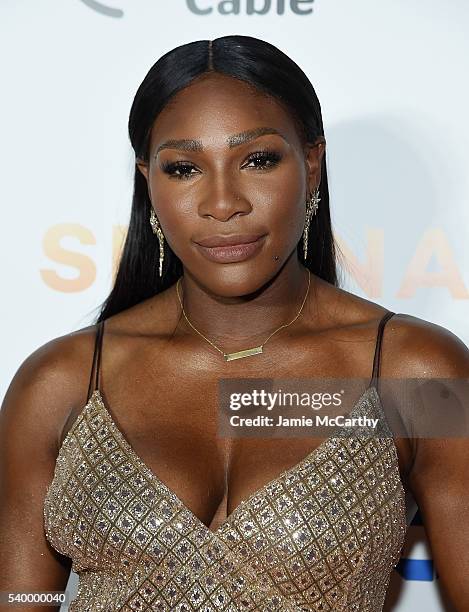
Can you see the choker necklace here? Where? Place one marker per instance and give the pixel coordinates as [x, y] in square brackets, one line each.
[255, 350]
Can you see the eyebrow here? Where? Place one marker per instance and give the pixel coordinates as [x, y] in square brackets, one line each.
[236, 140]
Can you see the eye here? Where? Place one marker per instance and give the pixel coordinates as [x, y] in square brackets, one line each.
[179, 166]
[182, 170]
[265, 159]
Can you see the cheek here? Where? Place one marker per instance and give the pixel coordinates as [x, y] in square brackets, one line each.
[176, 220]
[287, 216]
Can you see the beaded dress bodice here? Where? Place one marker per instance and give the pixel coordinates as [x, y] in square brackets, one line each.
[323, 535]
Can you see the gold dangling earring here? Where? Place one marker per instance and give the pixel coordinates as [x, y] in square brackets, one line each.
[155, 225]
[311, 210]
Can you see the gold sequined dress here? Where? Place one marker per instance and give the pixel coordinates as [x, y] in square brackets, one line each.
[323, 535]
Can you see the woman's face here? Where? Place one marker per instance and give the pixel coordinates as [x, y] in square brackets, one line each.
[229, 182]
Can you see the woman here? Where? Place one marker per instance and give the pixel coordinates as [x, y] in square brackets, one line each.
[156, 511]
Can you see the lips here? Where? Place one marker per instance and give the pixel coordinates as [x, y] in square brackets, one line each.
[230, 249]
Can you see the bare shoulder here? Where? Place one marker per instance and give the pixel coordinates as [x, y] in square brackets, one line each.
[421, 347]
[50, 382]
[57, 363]
[411, 345]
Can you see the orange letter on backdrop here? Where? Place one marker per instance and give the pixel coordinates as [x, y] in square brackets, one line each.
[368, 275]
[85, 265]
[433, 242]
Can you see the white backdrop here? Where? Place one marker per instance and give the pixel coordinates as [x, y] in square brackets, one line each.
[391, 76]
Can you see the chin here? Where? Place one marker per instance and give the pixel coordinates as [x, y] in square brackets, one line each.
[237, 281]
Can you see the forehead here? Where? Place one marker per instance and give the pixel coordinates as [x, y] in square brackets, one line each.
[219, 104]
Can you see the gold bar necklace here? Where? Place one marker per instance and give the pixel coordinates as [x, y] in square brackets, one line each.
[255, 350]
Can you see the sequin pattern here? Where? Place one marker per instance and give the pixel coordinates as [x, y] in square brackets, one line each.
[324, 535]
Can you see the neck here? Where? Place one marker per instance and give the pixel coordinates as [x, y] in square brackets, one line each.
[237, 322]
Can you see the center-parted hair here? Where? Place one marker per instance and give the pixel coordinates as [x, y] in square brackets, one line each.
[270, 71]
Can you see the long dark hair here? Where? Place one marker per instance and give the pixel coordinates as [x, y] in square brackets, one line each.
[268, 69]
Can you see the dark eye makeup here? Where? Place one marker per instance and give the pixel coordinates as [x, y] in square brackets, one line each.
[266, 159]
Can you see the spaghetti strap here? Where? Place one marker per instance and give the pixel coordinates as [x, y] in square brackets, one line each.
[377, 355]
[96, 360]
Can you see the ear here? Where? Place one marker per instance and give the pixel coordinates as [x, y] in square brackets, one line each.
[314, 153]
[143, 167]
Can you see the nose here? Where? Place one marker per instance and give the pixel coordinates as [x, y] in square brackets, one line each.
[221, 202]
